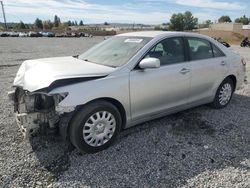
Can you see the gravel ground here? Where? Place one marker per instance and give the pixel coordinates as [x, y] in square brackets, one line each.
[201, 147]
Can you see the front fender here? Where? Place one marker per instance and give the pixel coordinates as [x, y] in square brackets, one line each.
[115, 87]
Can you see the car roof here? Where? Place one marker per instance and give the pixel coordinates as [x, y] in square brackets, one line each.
[156, 34]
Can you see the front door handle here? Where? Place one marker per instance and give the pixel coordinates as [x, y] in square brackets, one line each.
[184, 71]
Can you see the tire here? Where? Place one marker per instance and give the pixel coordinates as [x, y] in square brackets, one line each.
[221, 100]
[95, 126]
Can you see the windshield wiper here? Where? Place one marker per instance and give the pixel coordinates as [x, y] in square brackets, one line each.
[99, 64]
[111, 66]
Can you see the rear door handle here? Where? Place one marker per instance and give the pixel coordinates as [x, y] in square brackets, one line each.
[184, 71]
[223, 63]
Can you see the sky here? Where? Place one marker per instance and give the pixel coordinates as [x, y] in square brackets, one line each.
[121, 11]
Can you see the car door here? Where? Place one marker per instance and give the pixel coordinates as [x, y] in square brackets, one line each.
[209, 67]
[158, 89]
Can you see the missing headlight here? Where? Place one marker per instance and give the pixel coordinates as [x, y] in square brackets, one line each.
[43, 102]
[39, 102]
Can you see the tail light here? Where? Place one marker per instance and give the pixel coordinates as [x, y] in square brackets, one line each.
[243, 62]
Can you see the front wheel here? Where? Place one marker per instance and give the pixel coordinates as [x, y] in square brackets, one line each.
[95, 126]
[224, 94]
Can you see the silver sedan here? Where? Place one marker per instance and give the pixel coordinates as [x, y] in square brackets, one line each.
[125, 80]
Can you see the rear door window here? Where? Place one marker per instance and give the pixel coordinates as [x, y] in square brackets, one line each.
[199, 48]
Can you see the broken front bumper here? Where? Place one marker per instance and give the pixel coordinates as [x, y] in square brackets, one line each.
[30, 119]
[32, 123]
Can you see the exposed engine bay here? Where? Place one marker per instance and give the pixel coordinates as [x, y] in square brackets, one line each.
[36, 112]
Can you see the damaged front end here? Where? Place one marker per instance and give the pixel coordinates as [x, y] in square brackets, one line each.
[36, 103]
[36, 112]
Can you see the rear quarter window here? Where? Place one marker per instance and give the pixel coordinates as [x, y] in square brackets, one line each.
[217, 52]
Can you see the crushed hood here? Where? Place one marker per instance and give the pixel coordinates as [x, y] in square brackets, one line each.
[40, 73]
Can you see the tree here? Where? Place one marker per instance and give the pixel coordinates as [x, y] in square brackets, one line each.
[38, 23]
[47, 24]
[205, 24]
[244, 20]
[181, 22]
[158, 28]
[177, 22]
[57, 21]
[223, 19]
[81, 23]
[106, 23]
[190, 21]
[20, 25]
[69, 23]
[208, 23]
[63, 26]
[76, 23]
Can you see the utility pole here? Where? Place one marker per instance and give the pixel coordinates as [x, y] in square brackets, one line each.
[4, 15]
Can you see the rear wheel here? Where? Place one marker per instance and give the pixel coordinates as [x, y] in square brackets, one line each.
[224, 94]
[95, 126]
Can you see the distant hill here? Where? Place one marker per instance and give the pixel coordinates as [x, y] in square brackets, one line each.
[11, 25]
[123, 25]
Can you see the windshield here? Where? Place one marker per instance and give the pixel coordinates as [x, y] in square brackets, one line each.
[115, 51]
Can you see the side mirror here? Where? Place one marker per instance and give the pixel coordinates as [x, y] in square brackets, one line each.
[149, 63]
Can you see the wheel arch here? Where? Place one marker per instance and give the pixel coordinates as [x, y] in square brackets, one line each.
[65, 125]
[117, 104]
[234, 79]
